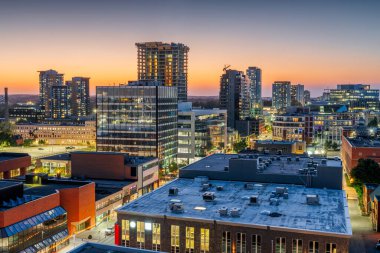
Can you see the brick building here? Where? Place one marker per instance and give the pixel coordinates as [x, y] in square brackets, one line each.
[357, 148]
[13, 164]
[238, 214]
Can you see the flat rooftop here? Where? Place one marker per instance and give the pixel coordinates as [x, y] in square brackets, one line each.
[5, 156]
[50, 188]
[369, 142]
[104, 188]
[6, 184]
[128, 159]
[217, 162]
[102, 248]
[329, 216]
[59, 157]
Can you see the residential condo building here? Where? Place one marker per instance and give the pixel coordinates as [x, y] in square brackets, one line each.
[281, 95]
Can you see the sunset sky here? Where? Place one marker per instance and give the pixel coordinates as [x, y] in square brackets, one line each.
[316, 43]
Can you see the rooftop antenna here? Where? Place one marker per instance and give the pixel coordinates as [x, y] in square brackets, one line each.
[226, 67]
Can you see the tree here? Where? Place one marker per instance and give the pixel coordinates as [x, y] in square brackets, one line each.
[240, 145]
[327, 145]
[6, 134]
[367, 171]
[335, 146]
[373, 122]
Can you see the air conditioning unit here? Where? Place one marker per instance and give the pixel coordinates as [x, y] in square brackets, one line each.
[286, 195]
[254, 200]
[205, 187]
[219, 188]
[208, 196]
[289, 159]
[177, 207]
[280, 190]
[312, 199]
[223, 211]
[248, 186]
[274, 201]
[297, 159]
[235, 212]
[173, 191]
[324, 162]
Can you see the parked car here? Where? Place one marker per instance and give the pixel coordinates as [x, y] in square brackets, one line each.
[109, 231]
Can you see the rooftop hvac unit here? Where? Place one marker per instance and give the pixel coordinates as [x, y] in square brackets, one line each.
[289, 159]
[205, 187]
[223, 211]
[235, 212]
[297, 159]
[273, 158]
[226, 168]
[274, 201]
[278, 158]
[310, 164]
[312, 199]
[260, 159]
[281, 190]
[248, 186]
[286, 195]
[173, 191]
[254, 200]
[219, 188]
[324, 162]
[177, 207]
[208, 196]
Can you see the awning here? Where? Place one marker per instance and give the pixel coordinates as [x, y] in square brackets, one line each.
[46, 242]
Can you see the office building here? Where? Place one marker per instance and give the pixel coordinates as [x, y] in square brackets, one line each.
[13, 164]
[297, 95]
[281, 95]
[356, 96]
[250, 126]
[357, 148]
[230, 203]
[235, 96]
[139, 118]
[165, 63]
[60, 106]
[200, 132]
[254, 75]
[79, 96]
[47, 80]
[26, 113]
[59, 134]
[307, 98]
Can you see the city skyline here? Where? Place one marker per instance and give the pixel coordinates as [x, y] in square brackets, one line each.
[317, 44]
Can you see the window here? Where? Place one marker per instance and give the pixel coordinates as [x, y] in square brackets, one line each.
[280, 245]
[256, 244]
[189, 239]
[297, 246]
[133, 172]
[174, 239]
[313, 247]
[205, 240]
[125, 233]
[156, 237]
[226, 242]
[240, 243]
[330, 248]
[140, 234]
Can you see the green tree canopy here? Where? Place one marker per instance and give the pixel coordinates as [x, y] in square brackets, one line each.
[367, 171]
[373, 123]
[240, 145]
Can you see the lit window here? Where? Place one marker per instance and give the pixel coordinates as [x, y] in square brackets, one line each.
[156, 237]
[140, 235]
[280, 245]
[190, 239]
[331, 248]
[174, 239]
[205, 240]
[125, 233]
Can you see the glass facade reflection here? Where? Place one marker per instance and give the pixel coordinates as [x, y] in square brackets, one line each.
[36, 234]
[139, 118]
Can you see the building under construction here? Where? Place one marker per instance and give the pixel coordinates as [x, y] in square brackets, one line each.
[164, 62]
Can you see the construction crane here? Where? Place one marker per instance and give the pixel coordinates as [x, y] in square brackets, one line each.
[226, 67]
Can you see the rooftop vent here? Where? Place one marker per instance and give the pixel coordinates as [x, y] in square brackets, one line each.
[254, 200]
[176, 207]
[223, 211]
[274, 201]
[208, 196]
[226, 168]
[173, 191]
[219, 188]
[312, 199]
[281, 190]
[235, 212]
[205, 187]
[248, 186]
[297, 159]
[289, 159]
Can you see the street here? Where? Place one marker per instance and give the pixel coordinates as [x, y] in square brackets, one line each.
[364, 238]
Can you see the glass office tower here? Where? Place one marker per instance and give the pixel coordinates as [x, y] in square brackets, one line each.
[139, 118]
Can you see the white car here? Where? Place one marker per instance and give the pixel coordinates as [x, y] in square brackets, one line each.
[109, 231]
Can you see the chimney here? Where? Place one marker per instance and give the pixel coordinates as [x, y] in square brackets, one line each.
[6, 113]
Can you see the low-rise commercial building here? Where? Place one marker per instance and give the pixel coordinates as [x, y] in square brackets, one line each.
[13, 164]
[59, 134]
[200, 132]
[238, 210]
[280, 147]
[293, 127]
[91, 247]
[357, 148]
